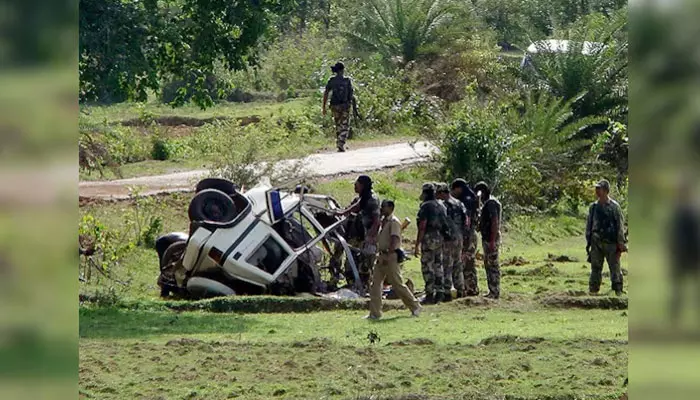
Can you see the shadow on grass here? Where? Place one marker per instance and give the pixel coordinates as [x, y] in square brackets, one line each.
[100, 323]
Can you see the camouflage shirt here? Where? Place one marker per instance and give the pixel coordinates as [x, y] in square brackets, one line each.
[491, 209]
[456, 217]
[605, 223]
[435, 216]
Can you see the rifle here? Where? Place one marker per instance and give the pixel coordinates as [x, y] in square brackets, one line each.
[355, 113]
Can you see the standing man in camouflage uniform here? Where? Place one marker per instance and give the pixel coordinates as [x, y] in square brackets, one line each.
[431, 221]
[366, 206]
[466, 282]
[452, 249]
[605, 239]
[490, 228]
[342, 97]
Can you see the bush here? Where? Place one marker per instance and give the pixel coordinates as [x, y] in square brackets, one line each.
[473, 144]
[186, 89]
[160, 149]
[526, 150]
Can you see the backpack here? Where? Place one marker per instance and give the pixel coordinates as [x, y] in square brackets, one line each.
[340, 91]
[447, 229]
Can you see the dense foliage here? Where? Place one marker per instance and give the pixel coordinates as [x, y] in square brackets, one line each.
[128, 47]
[444, 69]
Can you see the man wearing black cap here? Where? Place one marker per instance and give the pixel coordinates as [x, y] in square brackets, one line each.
[432, 219]
[605, 238]
[342, 97]
[490, 228]
[366, 206]
[466, 282]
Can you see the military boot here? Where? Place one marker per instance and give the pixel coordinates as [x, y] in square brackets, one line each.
[439, 297]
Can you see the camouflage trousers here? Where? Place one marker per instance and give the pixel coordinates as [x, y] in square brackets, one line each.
[452, 265]
[365, 264]
[431, 266]
[341, 116]
[600, 252]
[470, 285]
[493, 269]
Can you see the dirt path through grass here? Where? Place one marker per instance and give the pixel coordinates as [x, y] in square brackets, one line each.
[325, 164]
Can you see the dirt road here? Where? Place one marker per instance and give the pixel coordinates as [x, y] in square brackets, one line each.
[361, 160]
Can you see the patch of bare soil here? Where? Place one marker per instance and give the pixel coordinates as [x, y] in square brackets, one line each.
[517, 261]
[472, 301]
[316, 343]
[545, 270]
[269, 304]
[184, 342]
[603, 303]
[412, 342]
[507, 339]
[178, 121]
[561, 258]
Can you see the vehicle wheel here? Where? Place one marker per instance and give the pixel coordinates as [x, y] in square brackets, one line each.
[212, 205]
[223, 185]
[173, 253]
[202, 288]
[164, 241]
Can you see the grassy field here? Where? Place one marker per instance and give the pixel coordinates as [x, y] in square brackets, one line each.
[544, 339]
[190, 138]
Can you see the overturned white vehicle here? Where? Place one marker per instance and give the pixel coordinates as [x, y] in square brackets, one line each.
[262, 241]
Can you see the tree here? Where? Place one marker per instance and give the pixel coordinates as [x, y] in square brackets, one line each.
[600, 76]
[128, 47]
[401, 29]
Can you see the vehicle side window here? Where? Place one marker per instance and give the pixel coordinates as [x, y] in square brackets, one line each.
[269, 256]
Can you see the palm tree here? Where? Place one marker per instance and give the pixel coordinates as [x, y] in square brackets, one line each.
[401, 30]
[597, 80]
[543, 138]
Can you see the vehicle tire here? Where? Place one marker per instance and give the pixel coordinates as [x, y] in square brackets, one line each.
[223, 185]
[202, 288]
[212, 205]
[173, 253]
[164, 241]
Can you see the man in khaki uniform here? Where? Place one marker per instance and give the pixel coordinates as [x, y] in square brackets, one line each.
[388, 242]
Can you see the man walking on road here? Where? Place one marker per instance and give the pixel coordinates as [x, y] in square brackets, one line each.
[388, 244]
[605, 239]
[490, 228]
[466, 282]
[452, 249]
[342, 97]
[432, 219]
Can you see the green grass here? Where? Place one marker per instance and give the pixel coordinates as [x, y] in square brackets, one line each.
[522, 346]
[193, 147]
[449, 350]
[127, 111]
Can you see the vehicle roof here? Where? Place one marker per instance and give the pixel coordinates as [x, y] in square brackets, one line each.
[562, 46]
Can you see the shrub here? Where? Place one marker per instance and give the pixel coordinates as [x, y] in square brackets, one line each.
[526, 150]
[160, 149]
[474, 143]
[105, 247]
